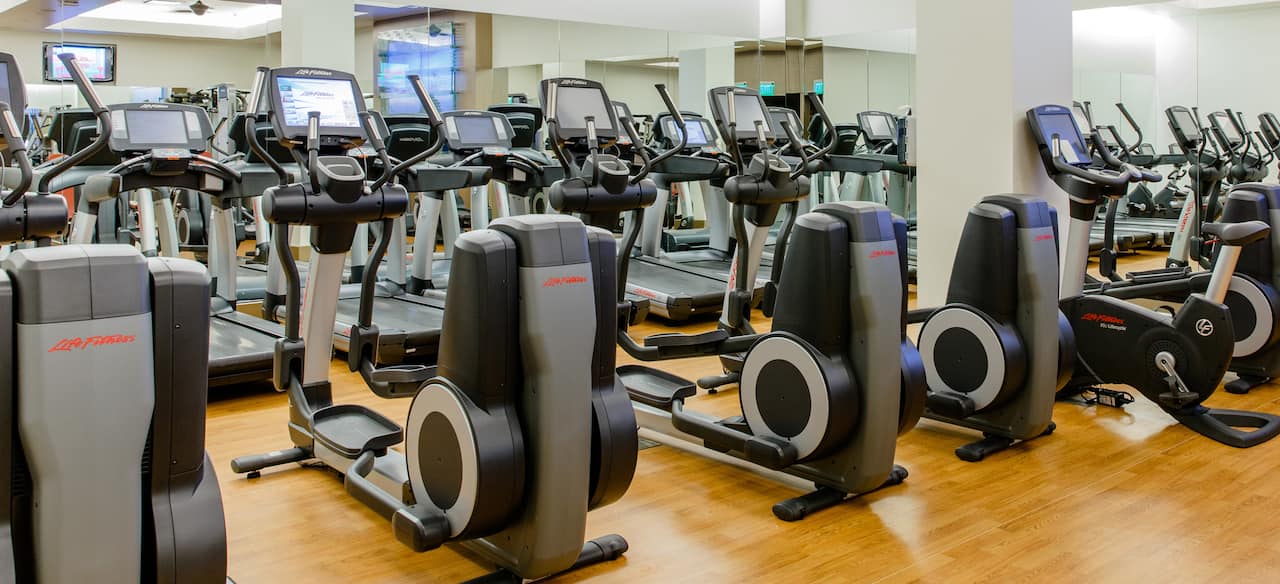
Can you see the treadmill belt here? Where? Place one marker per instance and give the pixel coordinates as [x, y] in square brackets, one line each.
[238, 354]
[408, 329]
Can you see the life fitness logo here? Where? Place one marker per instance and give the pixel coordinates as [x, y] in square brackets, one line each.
[883, 253]
[83, 343]
[1044, 237]
[314, 72]
[556, 281]
[1106, 321]
[1204, 327]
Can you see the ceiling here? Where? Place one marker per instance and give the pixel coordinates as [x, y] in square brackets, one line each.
[224, 19]
[246, 19]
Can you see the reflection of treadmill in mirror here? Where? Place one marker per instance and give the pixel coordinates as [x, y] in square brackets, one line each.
[701, 143]
[895, 187]
[479, 142]
[72, 130]
[161, 144]
[680, 284]
[409, 324]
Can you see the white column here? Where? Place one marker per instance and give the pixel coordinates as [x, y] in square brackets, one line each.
[701, 70]
[318, 33]
[981, 65]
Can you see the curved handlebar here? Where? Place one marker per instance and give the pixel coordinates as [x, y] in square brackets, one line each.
[18, 148]
[104, 125]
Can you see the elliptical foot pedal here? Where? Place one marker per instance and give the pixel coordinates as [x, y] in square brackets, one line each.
[655, 388]
[1244, 383]
[350, 429]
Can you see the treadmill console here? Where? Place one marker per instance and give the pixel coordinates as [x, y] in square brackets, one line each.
[469, 130]
[788, 115]
[1185, 127]
[143, 127]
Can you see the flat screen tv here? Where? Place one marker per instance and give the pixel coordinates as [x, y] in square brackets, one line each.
[98, 61]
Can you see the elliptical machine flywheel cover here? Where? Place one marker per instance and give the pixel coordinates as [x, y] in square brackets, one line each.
[792, 392]
[1252, 315]
[465, 461]
[968, 353]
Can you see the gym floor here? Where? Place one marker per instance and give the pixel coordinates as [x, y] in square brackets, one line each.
[1112, 496]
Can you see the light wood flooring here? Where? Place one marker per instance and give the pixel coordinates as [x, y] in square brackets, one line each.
[1113, 496]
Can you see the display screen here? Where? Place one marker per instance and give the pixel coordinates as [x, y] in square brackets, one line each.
[819, 86]
[97, 62]
[1063, 125]
[1187, 123]
[747, 112]
[1224, 121]
[5, 96]
[880, 127]
[767, 88]
[335, 99]
[476, 129]
[697, 134]
[1082, 120]
[574, 104]
[156, 127]
[785, 116]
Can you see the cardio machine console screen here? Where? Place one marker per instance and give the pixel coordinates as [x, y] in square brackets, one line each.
[574, 104]
[881, 127]
[1063, 125]
[335, 99]
[477, 129]
[156, 127]
[5, 96]
[747, 112]
[697, 134]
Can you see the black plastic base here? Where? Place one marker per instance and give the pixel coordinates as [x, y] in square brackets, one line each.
[991, 444]
[798, 508]
[595, 551]
[1244, 384]
[1223, 425]
[254, 463]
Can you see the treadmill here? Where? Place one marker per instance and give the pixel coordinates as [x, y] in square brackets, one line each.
[693, 282]
[161, 144]
[409, 324]
[882, 136]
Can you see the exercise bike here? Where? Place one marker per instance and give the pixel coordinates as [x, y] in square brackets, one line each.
[1175, 361]
[516, 433]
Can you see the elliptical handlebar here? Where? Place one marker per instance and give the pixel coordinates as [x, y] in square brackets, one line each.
[680, 123]
[251, 121]
[18, 150]
[1124, 111]
[104, 125]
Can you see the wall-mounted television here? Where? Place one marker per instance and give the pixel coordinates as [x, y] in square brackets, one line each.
[98, 61]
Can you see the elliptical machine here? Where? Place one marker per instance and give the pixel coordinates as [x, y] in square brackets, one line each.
[505, 453]
[1176, 362]
[103, 472]
[818, 402]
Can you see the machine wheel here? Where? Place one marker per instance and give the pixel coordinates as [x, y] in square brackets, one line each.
[465, 461]
[966, 352]
[1253, 315]
[792, 392]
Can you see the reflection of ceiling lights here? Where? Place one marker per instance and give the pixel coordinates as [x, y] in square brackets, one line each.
[667, 64]
[232, 15]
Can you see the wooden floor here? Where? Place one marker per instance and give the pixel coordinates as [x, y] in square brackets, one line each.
[1112, 496]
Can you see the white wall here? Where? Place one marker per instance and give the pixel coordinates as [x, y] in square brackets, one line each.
[519, 41]
[1238, 62]
[634, 84]
[716, 17]
[145, 62]
[857, 80]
